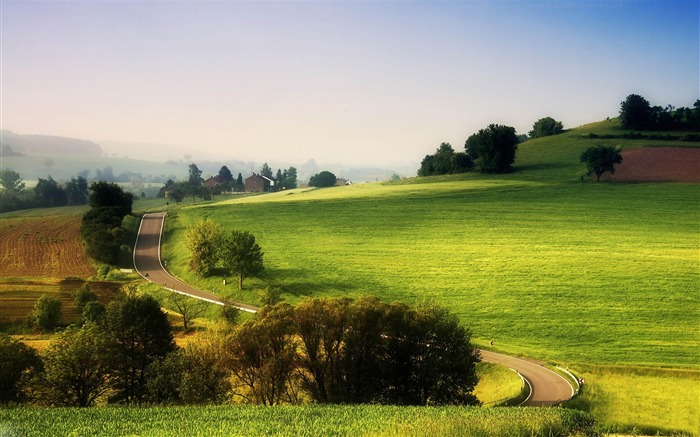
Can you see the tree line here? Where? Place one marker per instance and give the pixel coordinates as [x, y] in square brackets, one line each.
[319, 351]
[46, 194]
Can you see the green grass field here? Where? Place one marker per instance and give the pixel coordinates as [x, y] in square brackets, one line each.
[545, 263]
[313, 420]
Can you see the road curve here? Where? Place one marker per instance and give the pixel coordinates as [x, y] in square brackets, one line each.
[148, 264]
[546, 386]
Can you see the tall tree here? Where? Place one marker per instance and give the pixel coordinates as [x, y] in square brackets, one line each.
[636, 113]
[205, 376]
[225, 173]
[546, 126]
[493, 147]
[601, 159]
[77, 191]
[110, 195]
[290, 178]
[279, 180]
[204, 239]
[266, 171]
[47, 313]
[195, 178]
[241, 255]
[239, 179]
[141, 334]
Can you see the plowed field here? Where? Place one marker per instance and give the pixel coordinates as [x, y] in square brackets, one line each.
[657, 164]
[42, 247]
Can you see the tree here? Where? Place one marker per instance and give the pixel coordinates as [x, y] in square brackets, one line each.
[189, 308]
[445, 161]
[94, 312]
[290, 178]
[102, 233]
[600, 159]
[112, 196]
[77, 191]
[239, 180]
[205, 376]
[47, 313]
[177, 195]
[17, 364]
[195, 178]
[323, 179]
[545, 127]
[140, 335]
[77, 367]
[225, 173]
[82, 297]
[636, 113]
[262, 357]
[163, 379]
[494, 148]
[49, 194]
[203, 241]
[432, 361]
[229, 313]
[266, 171]
[241, 255]
[11, 181]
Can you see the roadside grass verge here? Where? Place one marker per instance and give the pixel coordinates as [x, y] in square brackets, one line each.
[497, 384]
[312, 420]
[627, 399]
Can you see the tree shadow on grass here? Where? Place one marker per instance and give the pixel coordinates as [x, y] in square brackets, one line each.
[301, 283]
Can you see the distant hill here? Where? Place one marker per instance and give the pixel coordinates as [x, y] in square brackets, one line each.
[48, 145]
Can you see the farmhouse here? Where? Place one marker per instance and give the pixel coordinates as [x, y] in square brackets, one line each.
[214, 181]
[258, 183]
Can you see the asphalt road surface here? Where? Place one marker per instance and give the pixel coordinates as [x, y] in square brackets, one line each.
[148, 264]
[546, 386]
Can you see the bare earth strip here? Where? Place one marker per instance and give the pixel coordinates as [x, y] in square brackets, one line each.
[43, 247]
[546, 387]
[658, 164]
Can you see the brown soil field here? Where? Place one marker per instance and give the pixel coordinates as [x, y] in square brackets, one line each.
[18, 296]
[43, 247]
[657, 164]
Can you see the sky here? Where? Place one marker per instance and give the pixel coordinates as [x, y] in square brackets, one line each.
[367, 83]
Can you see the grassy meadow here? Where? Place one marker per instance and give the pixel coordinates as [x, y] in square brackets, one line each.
[312, 420]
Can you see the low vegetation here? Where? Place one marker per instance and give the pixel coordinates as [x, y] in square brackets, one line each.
[299, 421]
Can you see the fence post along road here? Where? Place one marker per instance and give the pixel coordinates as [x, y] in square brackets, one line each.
[546, 386]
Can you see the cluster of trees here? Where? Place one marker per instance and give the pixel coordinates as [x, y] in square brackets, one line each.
[491, 150]
[636, 113]
[320, 351]
[101, 228]
[284, 179]
[213, 249]
[47, 192]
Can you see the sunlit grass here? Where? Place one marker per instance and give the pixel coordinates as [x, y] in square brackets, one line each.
[497, 384]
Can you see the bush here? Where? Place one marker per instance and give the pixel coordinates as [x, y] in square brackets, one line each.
[47, 313]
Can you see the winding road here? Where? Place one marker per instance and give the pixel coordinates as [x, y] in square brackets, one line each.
[546, 386]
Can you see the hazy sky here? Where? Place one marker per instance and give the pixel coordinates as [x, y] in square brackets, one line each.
[355, 82]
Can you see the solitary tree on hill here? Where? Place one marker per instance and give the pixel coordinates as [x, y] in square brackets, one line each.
[241, 255]
[600, 159]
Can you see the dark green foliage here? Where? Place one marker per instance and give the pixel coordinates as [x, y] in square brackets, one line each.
[445, 161]
[271, 296]
[600, 159]
[94, 312]
[204, 240]
[77, 367]
[164, 378]
[205, 377]
[47, 313]
[110, 195]
[11, 181]
[266, 171]
[195, 178]
[241, 255]
[225, 173]
[290, 178]
[493, 148]
[82, 297]
[140, 335]
[49, 194]
[323, 179]
[230, 313]
[77, 191]
[239, 180]
[17, 363]
[635, 113]
[368, 351]
[545, 127]
[177, 195]
[101, 227]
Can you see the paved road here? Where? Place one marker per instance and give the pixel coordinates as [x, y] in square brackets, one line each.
[546, 386]
[148, 264]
